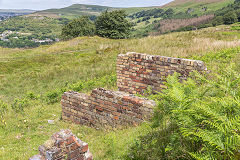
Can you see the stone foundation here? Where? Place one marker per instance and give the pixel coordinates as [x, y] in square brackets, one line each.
[63, 146]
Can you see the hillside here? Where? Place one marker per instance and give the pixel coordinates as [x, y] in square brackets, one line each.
[28, 30]
[195, 6]
[177, 3]
[73, 11]
[198, 7]
[32, 81]
[148, 21]
[77, 10]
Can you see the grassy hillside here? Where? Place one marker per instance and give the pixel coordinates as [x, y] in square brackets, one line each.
[148, 21]
[32, 80]
[73, 11]
[77, 10]
[198, 7]
[39, 26]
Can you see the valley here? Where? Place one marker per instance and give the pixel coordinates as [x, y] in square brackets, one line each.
[146, 21]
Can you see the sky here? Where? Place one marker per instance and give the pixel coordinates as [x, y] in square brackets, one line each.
[46, 4]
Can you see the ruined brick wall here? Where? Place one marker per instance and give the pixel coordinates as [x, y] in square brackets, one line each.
[63, 146]
[136, 72]
[105, 108]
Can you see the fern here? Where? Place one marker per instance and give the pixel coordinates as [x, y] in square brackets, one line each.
[206, 113]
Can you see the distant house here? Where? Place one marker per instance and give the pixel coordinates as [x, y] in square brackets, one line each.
[42, 41]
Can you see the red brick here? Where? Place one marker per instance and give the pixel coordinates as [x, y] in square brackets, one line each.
[110, 108]
[99, 109]
[69, 140]
[116, 117]
[132, 77]
[109, 96]
[84, 148]
[126, 99]
[126, 108]
[74, 146]
[81, 157]
[73, 154]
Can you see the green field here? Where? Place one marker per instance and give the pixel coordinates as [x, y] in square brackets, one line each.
[32, 81]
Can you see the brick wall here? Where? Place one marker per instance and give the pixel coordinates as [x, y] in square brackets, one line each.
[63, 146]
[105, 108]
[136, 72]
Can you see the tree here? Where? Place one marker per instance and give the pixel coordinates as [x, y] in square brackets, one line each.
[218, 21]
[230, 18]
[237, 1]
[113, 25]
[238, 14]
[82, 26]
[169, 13]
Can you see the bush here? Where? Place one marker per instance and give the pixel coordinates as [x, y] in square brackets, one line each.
[113, 25]
[218, 21]
[82, 26]
[19, 105]
[230, 18]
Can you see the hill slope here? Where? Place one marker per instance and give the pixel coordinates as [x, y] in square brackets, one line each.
[73, 11]
[198, 7]
[76, 10]
[148, 21]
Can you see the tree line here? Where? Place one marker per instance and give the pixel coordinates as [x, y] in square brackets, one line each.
[109, 25]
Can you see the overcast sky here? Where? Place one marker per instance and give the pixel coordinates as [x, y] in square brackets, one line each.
[46, 4]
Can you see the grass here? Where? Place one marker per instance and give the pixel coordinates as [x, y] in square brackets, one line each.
[31, 75]
[197, 5]
[236, 26]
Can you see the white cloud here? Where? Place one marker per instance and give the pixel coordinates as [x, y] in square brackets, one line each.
[124, 3]
[44, 4]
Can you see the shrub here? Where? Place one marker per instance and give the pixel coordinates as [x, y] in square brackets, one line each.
[82, 26]
[113, 25]
[230, 18]
[218, 21]
[19, 105]
[53, 96]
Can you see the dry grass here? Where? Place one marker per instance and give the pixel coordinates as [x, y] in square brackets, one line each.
[183, 44]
